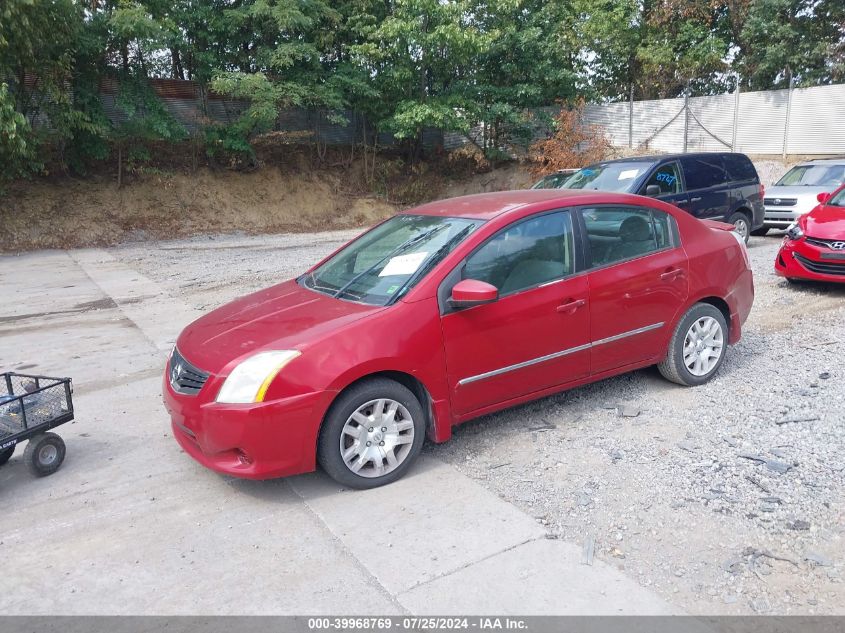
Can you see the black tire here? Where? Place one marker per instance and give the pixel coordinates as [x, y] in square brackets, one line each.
[6, 454]
[673, 367]
[44, 454]
[329, 444]
[740, 219]
[763, 230]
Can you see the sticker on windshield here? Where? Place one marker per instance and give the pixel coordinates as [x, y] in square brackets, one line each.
[403, 264]
[628, 174]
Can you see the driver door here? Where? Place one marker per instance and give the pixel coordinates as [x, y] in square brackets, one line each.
[536, 335]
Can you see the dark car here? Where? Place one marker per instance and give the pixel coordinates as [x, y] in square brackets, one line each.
[554, 180]
[714, 186]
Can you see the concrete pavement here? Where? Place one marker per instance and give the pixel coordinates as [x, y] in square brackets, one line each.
[131, 525]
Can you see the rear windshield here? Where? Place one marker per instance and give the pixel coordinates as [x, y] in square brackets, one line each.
[609, 176]
[813, 176]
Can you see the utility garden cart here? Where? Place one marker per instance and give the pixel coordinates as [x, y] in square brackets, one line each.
[29, 407]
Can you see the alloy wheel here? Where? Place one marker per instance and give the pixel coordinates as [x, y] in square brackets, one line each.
[377, 438]
[703, 346]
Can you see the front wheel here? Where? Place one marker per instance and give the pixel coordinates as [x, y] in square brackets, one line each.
[372, 434]
[44, 454]
[741, 225]
[697, 347]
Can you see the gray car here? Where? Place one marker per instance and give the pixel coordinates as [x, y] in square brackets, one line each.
[795, 193]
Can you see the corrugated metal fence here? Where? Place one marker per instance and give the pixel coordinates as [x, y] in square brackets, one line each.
[798, 121]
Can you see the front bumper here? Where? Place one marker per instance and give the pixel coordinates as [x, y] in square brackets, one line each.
[780, 217]
[799, 260]
[253, 441]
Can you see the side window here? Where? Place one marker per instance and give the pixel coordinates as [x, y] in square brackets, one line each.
[525, 254]
[740, 168]
[619, 233]
[667, 177]
[701, 172]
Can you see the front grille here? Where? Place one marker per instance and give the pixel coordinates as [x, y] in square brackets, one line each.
[184, 377]
[823, 268]
[780, 202]
[815, 241]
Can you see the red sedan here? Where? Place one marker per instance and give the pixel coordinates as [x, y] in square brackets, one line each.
[447, 312]
[814, 247]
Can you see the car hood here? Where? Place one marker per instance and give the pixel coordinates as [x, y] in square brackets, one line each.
[825, 222]
[286, 316]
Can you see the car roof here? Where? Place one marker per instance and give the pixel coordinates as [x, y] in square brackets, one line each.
[822, 161]
[486, 206]
[663, 157]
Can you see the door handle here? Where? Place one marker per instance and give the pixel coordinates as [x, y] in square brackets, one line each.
[671, 275]
[695, 199]
[571, 306]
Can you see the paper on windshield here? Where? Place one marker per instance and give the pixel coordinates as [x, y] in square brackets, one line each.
[403, 264]
[628, 174]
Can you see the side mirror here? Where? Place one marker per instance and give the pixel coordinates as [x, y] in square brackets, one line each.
[823, 197]
[471, 292]
[652, 190]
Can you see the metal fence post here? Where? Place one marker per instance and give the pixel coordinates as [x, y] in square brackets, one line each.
[788, 113]
[686, 117]
[736, 117]
[631, 119]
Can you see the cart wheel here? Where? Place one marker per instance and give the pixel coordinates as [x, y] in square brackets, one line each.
[44, 454]
[6, 454]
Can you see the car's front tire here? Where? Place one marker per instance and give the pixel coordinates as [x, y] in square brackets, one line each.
[372, 434]
[697, 347]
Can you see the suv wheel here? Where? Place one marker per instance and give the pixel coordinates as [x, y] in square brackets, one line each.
[741, 225]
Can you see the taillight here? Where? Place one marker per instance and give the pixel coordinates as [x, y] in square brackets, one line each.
[762, 190]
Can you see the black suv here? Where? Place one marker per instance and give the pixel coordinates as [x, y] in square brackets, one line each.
[715, 186]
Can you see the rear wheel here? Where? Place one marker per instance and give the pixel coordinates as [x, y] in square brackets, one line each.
[763, 230]
[6, 454]
[372, 434]
[741, 225]
[697, 347]
[44, 454]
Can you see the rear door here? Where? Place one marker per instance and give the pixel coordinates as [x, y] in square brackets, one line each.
[708, 186]
[638, 283]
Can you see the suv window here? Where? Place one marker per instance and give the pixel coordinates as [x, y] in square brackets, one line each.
[667, 177]
[619, 233]
[739, 167]
[701, 172]
[526, 254]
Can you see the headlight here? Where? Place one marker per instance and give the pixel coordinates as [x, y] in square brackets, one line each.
[794, 232]
[249, 381]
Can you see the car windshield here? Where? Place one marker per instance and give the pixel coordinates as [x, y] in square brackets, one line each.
[389, 260]
[813, 176]
[838, 200]
[608, 176]
[552, 181]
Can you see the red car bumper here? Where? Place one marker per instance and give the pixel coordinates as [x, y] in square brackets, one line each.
[799, 260]
[253, 441]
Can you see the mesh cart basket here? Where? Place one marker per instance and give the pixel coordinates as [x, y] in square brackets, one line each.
[29, 407]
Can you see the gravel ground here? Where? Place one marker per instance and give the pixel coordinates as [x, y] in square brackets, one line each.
[726, 498]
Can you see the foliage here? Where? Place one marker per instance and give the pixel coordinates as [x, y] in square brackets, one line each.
[469, 66]
[573, 143]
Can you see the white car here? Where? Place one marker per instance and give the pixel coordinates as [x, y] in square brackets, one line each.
[795, 193]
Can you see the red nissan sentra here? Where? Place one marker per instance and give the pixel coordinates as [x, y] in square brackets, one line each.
[814, 247]
[444, 313]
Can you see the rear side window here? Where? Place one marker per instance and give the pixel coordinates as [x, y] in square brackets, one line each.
[526, 254]
[619, 233]
[739, 167]
[667, 177]
[701, 172]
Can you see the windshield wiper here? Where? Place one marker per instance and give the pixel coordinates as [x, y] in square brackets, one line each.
[435, 257]
[402, 247]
